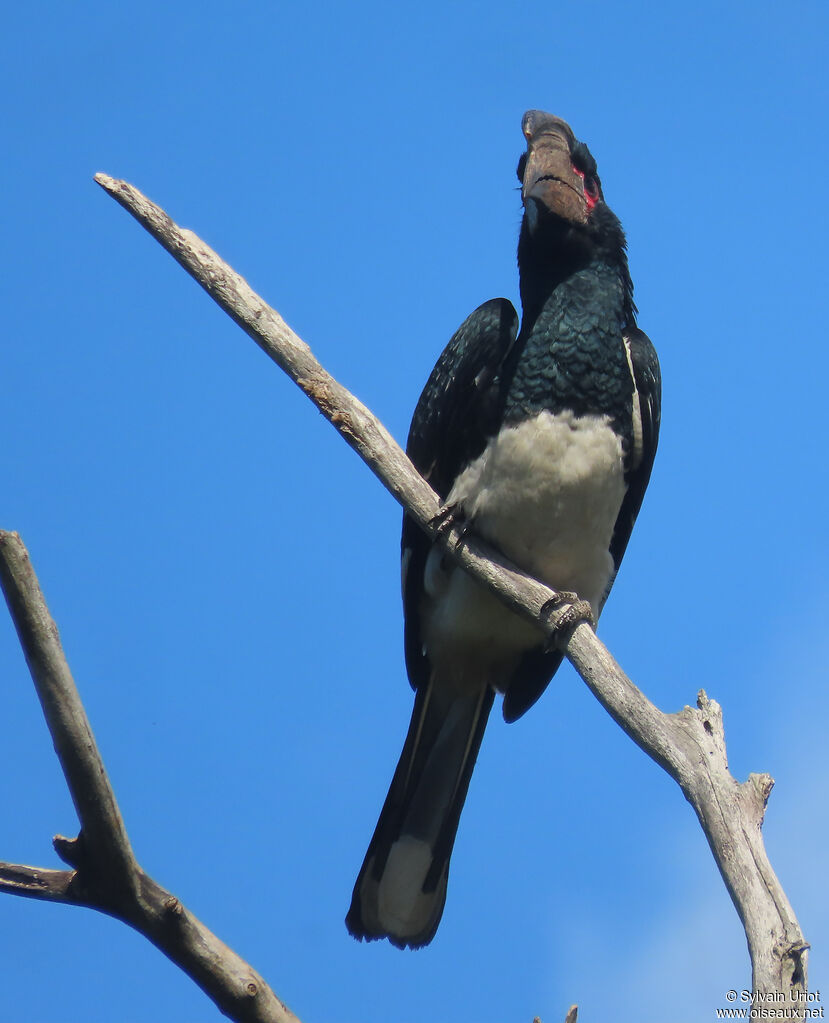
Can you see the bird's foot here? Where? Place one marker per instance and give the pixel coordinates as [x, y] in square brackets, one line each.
[564, 612]
[449, 518]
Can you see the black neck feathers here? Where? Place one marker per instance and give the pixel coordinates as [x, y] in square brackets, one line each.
[555, 250]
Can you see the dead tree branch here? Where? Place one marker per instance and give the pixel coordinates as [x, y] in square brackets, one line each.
[689, 744]
[106, 875]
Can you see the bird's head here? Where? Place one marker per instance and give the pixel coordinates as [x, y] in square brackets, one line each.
[558, 176]
[567, 224]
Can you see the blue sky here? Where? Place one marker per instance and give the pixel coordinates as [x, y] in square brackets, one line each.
[224, 570]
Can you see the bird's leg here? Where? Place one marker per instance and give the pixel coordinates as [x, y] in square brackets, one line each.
[563, 612]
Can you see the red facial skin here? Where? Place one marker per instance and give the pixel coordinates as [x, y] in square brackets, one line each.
[591, 196]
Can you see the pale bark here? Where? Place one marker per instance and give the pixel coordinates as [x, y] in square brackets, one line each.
[105, 874]
[689, 744]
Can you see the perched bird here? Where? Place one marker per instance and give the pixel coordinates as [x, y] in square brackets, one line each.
[541, 441]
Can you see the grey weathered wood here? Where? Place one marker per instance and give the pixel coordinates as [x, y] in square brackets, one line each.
[102, 828]
[106, 875]
[689, 745]
[355, 423]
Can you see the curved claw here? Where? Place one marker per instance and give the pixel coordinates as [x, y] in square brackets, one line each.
[564, 612]
[448, 518]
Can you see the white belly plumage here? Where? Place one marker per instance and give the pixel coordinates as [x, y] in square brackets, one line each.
[546, 493]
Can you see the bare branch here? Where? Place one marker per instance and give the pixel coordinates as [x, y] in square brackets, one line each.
[361, 430]
[689, 745]
[104, 835]
[107, 876]
[236, 988]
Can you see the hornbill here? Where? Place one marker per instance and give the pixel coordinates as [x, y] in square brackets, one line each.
[541, 441]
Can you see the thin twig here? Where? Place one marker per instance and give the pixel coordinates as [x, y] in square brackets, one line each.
[37, 882]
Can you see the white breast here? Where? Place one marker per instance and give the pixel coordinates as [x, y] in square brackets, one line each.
[546, 493]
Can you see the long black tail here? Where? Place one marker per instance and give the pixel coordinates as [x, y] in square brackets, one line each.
[401, 888]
